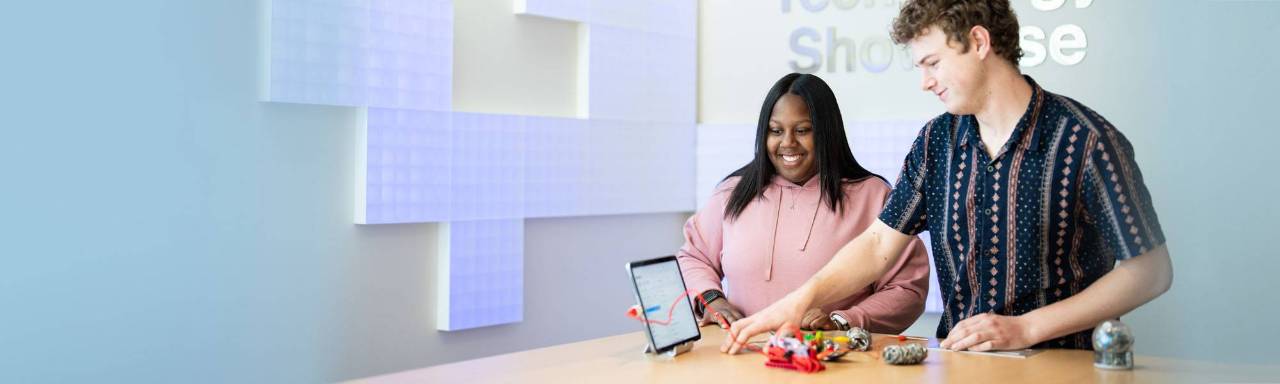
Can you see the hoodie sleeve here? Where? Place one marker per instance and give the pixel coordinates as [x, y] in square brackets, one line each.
[699, 258]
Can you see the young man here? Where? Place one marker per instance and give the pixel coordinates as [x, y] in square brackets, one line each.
[1041, 224]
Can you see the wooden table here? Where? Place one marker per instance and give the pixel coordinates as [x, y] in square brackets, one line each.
[617, 359]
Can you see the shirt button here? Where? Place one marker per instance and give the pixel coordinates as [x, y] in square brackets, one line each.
[988, 211]
[991, 168]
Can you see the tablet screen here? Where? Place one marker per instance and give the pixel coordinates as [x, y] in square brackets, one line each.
[661, 292]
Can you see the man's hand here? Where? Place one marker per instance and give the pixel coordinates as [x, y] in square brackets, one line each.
[781, 314]
[988, 332]
[858, 264]
[817, 320]
[719, 311]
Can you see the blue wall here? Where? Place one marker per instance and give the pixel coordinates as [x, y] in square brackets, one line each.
[161, 223]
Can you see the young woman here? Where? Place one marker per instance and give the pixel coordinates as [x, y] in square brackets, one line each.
[772, 224]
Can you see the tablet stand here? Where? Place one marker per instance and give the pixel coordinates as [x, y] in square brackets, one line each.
[682, 348]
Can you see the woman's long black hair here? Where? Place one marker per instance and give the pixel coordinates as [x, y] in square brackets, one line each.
[835, 161]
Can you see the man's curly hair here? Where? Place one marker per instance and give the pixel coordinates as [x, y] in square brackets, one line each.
[956, 18]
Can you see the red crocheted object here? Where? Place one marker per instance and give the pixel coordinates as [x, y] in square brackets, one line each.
[782, 358]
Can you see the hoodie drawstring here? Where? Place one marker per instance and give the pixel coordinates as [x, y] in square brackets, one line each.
[812, 220]
[773, 246]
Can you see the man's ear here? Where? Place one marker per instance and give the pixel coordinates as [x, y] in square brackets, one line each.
[980, 41]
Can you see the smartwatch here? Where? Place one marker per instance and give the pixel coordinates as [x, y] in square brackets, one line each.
[841, 322]
[706, 298]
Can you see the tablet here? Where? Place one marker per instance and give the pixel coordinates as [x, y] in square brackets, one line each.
[666, 310]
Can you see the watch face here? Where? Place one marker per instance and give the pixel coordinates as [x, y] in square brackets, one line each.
[705, 299]
[710, 296]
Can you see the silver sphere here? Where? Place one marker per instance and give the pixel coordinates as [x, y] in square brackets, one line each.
[859, 339]
[1113, 345]
[1112, 336]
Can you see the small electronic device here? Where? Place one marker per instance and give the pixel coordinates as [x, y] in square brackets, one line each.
[664, 305]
